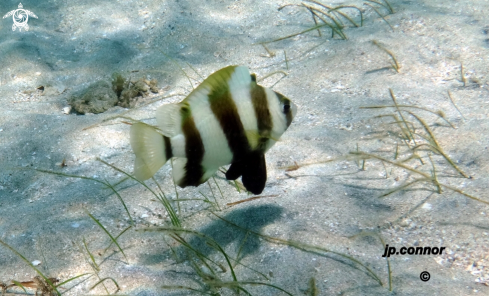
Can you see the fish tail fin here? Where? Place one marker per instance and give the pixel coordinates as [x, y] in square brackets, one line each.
[149, 147]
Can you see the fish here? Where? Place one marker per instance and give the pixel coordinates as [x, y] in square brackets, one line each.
[227, 119]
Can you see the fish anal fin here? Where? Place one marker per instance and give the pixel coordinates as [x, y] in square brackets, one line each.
[207, 174]
[186, 173]
[179, 171]
[254, 172]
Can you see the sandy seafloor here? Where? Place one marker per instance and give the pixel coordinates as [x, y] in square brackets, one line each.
[75, 43]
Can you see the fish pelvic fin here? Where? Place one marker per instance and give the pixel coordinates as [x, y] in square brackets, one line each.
[152, 150]
[253, 172]
[235, 170]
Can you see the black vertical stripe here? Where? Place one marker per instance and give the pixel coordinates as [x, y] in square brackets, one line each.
[262, 113]
[168, 151]
[194, 149]
[226, 112]
[260, 104]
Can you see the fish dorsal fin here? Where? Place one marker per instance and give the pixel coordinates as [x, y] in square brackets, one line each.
[231, 77]
[228, 93]
[169, 119]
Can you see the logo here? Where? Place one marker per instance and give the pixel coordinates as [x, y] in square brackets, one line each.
[425, 276]
[20, 17]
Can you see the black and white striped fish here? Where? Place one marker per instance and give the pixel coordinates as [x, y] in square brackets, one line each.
[228, 119]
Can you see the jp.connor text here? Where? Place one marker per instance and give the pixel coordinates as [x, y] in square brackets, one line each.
[412, 251]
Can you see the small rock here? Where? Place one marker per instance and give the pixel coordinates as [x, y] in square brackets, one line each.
[97, 98]
[131, 91]
[346, 127]
[50, 91]
[128, 98]
[67, 110]
[36, 262]
[405, 223]
[144, 216]
[141, 86]
[118, 83]
[153, 85]
[439, 260]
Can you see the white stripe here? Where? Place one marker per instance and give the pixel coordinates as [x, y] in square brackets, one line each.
[178, 146]
[239, 86]
[279, 120]
[217, 151]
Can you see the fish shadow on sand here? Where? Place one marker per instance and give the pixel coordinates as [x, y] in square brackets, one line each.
[232, 239]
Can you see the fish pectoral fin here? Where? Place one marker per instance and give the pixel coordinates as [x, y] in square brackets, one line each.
[169, 119]
[235, 171]
[149, 147]
[256, 136]
[254, 172]
[258, 140]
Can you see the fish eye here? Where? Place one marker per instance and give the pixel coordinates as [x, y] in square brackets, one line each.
[286, 108]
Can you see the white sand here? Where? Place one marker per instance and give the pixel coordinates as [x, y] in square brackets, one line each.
[76, 43]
